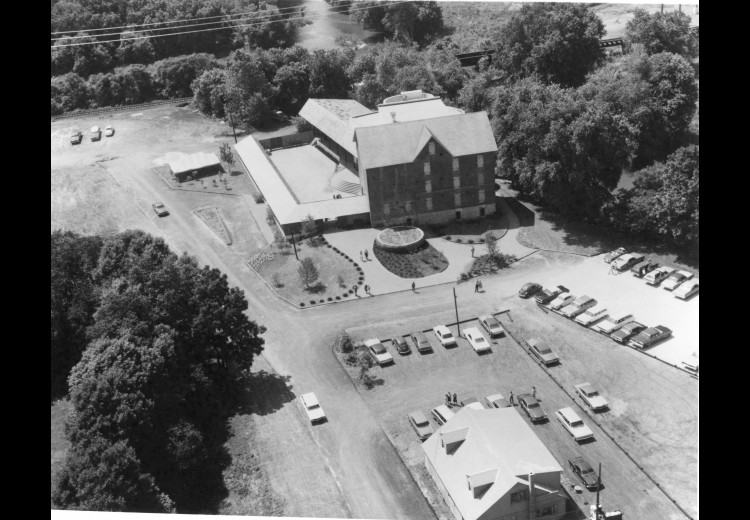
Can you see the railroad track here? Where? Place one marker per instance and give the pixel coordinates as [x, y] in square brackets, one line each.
[104, 110]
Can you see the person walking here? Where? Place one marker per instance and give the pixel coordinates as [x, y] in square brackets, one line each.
[510, 398]
[533, 392]
[413, 287]
[476, 286]
[481, 287]
[472, 251]
[355, 287]
[448, 399]
[367, 256]
[367, 289]
[455, 399]
[361, 256]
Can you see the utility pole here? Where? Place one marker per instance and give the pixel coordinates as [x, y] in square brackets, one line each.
[295, 245]
[598, 485]
[233, 132]
[455, 304]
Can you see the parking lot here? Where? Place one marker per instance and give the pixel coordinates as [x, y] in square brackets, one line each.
[652, 414]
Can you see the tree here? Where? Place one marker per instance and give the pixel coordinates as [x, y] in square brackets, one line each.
[226, 155]
[291, 87]
[246, 89]
[173, 76]
[268, 27]
[133, 49]
[663, 32]
[559, 42]
[476, 94]
[308, 273]
[69, 92]
[407, 21]
[491, 242]
[208, 92]
[328, 78]
[370, 92]
[308, 226]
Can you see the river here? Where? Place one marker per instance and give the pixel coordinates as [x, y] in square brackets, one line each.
[327, 24]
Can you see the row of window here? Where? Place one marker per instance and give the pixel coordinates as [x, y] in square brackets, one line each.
[456, 182]
[428, 202]
[551, 510]
[480, 159]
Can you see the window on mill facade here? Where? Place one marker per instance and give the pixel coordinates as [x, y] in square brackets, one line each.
[457, 199]
[432, 148]
[427, 168]
[480, 179]
[480, 161]
[455, 165]
[481, 196]
[428, 186]
[428, 203]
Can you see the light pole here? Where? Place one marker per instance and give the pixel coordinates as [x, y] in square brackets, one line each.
[295, 246]
[455, 304]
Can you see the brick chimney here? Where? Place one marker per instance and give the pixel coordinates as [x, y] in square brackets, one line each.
[532, 507]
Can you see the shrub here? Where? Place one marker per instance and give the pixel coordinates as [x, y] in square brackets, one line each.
[447, 237]
[481, 241]
[470, 241]
[345, 295]
[351, 291]
[336, 249]
[329, 246]
[312, 302]
[338, 297]
[321, 301]
[330, 299]
[351, 358]
[459, 240]
[259, 199]
[340, 280]
[465, 275]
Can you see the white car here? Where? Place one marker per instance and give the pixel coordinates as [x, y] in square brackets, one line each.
[578, 306]
[476, 340]
[687, 289]
[109, 131]
[627, 261]
[497, 401]
[570, 420]
[311, 405]
[96, 133]
[613, 322]
[675, 279]
[656, 276]
[441, 414]
[691, 363]
[591, 396]
[444, 336]
[592, 315]
[561, 301]
[378, 351]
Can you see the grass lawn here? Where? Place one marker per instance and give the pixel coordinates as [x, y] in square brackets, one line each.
[330, 264]
[419, 263]
[468, 229]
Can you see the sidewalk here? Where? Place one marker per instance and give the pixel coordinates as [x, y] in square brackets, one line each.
[259, 213]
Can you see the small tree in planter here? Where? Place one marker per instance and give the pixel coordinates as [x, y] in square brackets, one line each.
[308, 273]
[308, 226]
[491, 243]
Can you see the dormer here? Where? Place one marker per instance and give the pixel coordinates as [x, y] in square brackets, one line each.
[451, 439]
[481, 481]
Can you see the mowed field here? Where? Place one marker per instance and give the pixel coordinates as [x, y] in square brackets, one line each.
[653, 413]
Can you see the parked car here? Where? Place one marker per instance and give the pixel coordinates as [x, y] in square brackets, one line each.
[675, 279]
[444, 336]
[76, 137]
[402, 347]
[650, 336]
[574, 424]
[491, 325]
[614, 254]
[578, 306]
[528, 290]
[96, 133]
[379, 352]
[109, 131]
[497, 401]
[585, 472]
[160, 209]
[312, 407]
[476, 340]
[592, 315]
[691, 363]
[547, 295]
[627, 261]
[612, 322]
[421, 425]
[644, 268]
[473, 402]
[541, 350]
[561, 301]
[687, 289]
[420, 342]
[442, 414]
[591, 397]
[656, 276]
[530, 405]
[627, 331]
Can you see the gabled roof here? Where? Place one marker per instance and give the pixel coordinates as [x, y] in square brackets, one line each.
[401, 142]
[498, 440]
[194, 161]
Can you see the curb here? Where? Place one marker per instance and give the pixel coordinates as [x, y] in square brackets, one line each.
[593, 419]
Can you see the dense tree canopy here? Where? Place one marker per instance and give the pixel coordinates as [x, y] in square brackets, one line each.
[167, 348]
[663, 32]
[559, 42]
[556, 147]
[406, 21]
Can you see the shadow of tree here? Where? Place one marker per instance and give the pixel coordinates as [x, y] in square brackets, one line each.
[264, 393]
[316, 289]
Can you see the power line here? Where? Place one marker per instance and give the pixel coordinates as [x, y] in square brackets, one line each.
[175, 21]
[252, 24]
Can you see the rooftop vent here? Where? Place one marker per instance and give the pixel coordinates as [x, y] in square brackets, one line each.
[478, 482]
[452, 437]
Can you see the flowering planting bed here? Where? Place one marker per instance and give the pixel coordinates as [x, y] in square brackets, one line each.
[211, 216]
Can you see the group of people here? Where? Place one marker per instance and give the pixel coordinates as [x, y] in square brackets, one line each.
[478, 286]
[364, 256]
[452, 399]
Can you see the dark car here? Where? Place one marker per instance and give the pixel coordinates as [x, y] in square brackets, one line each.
[402, 347]
[76, 137]
[531, 406]
[420, 424]
[627, 331]
[585, 472]
[529, 290]
[650, 336]
[547, 295]
[541, 350]
[644, 268]
[420, 342]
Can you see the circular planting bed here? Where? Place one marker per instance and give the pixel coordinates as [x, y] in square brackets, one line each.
[400, 239]
[415, 263]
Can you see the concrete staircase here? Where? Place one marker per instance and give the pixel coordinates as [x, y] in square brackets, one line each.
[345, 181]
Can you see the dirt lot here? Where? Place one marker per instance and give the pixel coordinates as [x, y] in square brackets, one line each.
[662, 439]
